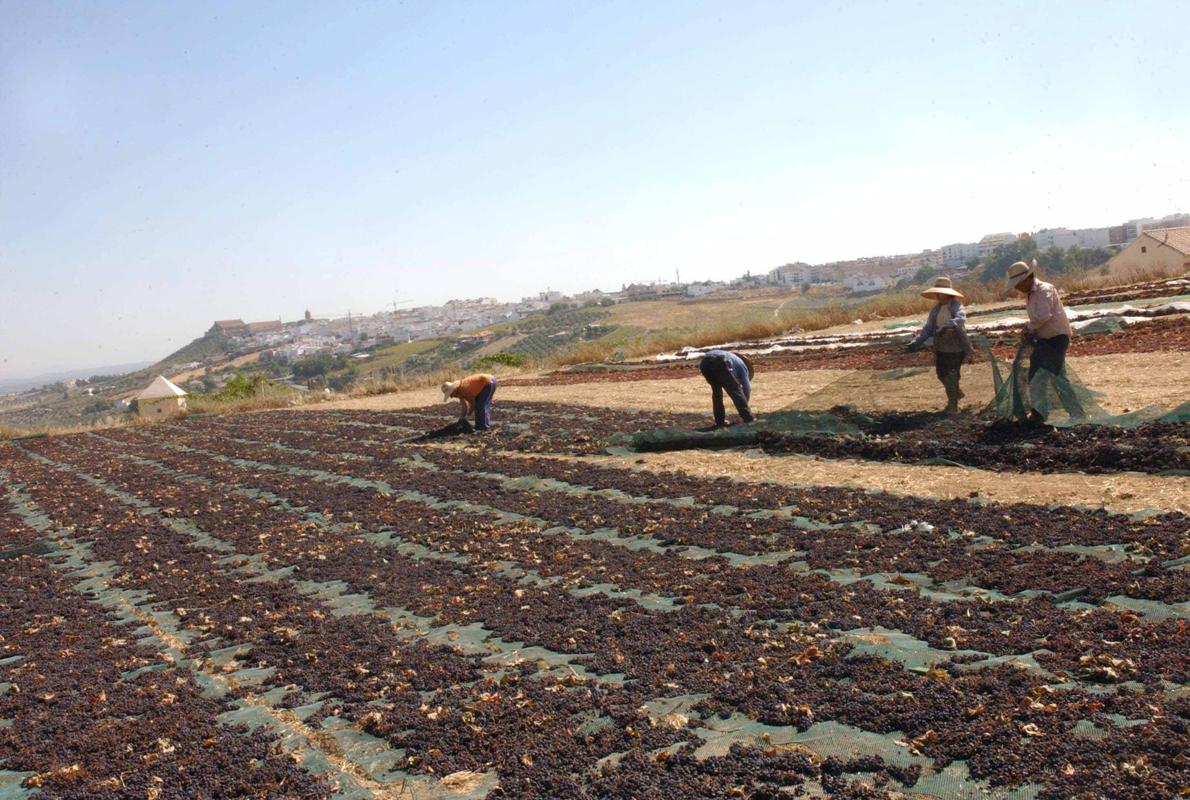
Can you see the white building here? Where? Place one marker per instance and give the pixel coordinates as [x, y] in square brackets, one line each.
[993, 240]
[801, 273]
[1065, 238]
[865, 283]
[957, 255]
[704, 288]
[161, 398]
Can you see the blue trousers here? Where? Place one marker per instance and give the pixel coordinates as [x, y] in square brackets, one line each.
[718, 374]
[483, 407]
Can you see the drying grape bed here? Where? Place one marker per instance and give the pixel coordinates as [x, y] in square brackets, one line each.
[309, 605]
[1155, 447]
[966, 440]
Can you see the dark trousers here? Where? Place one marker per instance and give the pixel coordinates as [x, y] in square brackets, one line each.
[946, 363]
[483, 407]
[718, 374]
[1050, 355]
[948, 367]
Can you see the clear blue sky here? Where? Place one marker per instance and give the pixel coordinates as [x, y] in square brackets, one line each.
[166, 164]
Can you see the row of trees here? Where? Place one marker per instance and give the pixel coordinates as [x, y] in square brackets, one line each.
[1053, 261]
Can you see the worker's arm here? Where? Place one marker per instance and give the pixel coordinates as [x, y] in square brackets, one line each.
[926, 331]
[465, 406]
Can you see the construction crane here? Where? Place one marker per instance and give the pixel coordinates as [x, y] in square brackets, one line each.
[398, 302]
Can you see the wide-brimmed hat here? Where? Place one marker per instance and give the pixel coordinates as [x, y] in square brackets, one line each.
[943, 286]
[448, 389]
[1018, 272]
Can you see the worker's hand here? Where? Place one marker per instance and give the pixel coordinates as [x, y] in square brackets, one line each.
[912, 347]
[1026, 334]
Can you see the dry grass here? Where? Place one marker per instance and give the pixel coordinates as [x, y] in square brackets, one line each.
[1090, 280]
[884, 306]
[206, 404]
[8, 432]
[890, 305]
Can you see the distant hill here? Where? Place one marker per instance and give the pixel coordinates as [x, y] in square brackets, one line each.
[208, 344]
[21, 384]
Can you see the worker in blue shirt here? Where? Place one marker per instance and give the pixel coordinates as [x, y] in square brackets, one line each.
[731, 373]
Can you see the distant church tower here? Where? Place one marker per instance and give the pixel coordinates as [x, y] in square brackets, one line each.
[308, 317]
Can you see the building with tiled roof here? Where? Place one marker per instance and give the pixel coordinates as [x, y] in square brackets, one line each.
[1163, 249]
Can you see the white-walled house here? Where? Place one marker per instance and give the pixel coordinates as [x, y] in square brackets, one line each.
[865, 283]
[705, 288]
[161, 398]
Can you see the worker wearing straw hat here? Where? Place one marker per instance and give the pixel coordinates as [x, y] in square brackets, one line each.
[1048, 330]
[474, 394]
[947, 324]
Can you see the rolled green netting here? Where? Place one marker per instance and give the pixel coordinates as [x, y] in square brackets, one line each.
[1109, 324]
[900, 372]
[808, 423]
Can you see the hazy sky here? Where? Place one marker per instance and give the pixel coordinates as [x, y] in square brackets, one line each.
[166, 164]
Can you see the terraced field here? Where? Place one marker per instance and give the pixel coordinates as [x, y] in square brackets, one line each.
[310, 605]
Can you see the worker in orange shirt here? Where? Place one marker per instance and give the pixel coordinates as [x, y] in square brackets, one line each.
[474, 394]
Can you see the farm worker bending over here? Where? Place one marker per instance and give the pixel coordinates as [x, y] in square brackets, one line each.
[728, 372]
[947, 323]
[1049, 331]
[474, 394]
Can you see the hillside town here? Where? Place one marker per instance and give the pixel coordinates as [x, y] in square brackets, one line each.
[287, 342]
[470, 325]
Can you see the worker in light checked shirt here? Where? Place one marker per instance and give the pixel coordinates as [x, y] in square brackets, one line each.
[1048, 329]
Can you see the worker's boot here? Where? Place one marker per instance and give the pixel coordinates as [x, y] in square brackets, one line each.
[951, 382]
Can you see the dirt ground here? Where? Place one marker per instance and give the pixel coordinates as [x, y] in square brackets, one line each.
[1124, 492]
[1126, 381]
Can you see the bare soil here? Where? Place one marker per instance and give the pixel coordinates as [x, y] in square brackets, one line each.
[1126, 381]
[1120, 492]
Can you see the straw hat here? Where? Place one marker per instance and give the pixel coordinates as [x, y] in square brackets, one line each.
[942, 286]
[748, 363]
[448, 389]
[1018, 272]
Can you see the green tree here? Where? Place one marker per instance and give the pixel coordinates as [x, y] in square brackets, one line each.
[344, 378]
[995, 266]
[500, 359]
[240, 386]
[314, 366]
[924, 274]
[97, 406]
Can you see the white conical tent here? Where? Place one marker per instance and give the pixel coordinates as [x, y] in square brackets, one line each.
[159, 388]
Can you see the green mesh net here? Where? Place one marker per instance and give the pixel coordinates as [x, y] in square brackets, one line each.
[1062, 399]
[1019, 390]
[859, 402]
